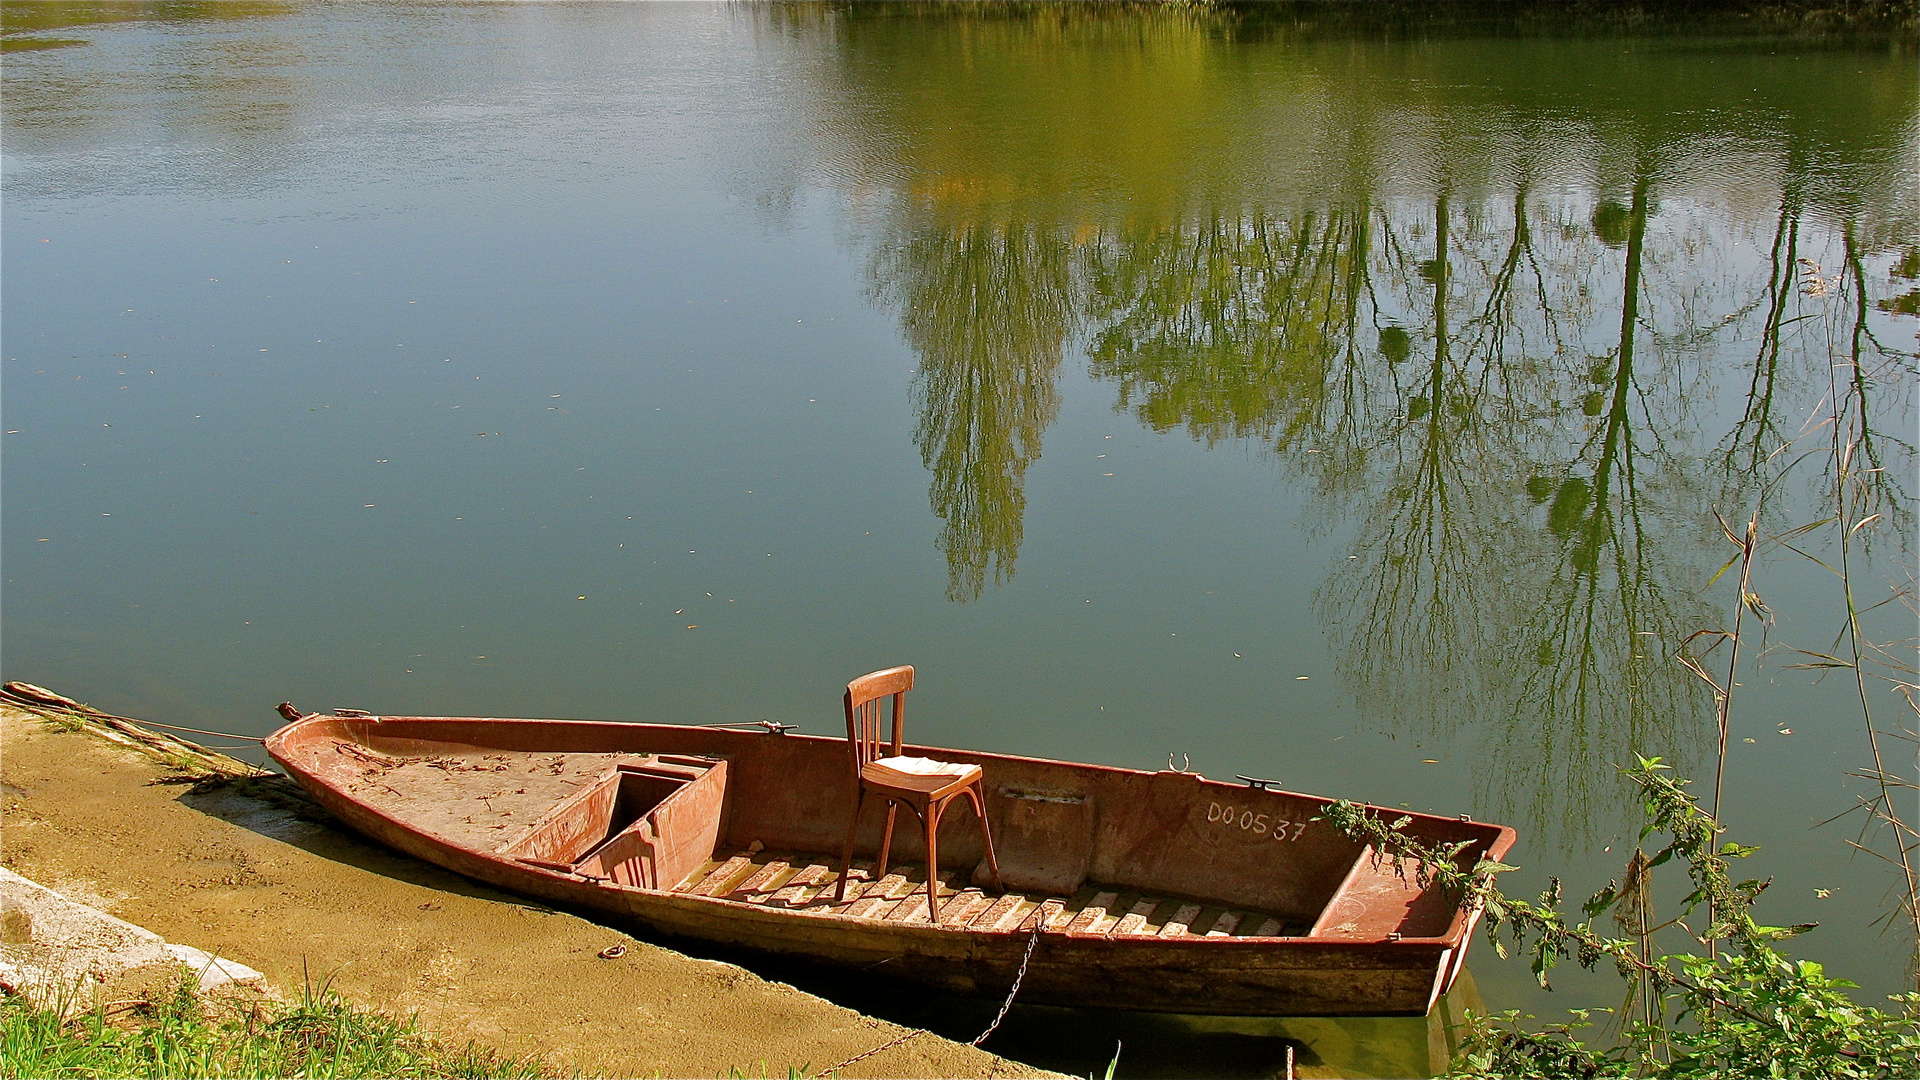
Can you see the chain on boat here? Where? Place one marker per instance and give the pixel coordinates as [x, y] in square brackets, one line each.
[1019, 976]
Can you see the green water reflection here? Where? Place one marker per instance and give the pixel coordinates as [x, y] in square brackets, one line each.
[990, 309]
[1453, 302]
[1338, 392]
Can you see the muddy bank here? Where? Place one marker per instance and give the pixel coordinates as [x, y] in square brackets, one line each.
[245, 869]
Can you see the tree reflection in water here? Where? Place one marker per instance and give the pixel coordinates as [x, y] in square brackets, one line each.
[1505, 574]
[989, 308]
[1483, 344]
[1530, 510]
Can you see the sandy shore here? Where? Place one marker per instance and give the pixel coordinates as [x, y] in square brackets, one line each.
[244, 871]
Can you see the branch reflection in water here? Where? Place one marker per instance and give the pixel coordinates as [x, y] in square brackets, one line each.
[1495, 332]
[989, 307]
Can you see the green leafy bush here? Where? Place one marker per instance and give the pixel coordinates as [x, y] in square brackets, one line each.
[1742, 1009]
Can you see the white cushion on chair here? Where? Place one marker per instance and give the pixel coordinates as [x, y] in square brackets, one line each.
[919, 766]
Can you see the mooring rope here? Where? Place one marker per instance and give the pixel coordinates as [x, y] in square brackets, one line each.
[22, 695]
[1018, 977]
[194, 730]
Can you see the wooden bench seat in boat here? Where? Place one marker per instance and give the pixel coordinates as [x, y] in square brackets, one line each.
[646, 823]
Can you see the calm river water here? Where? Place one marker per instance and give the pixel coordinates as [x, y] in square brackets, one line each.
[1331, 394]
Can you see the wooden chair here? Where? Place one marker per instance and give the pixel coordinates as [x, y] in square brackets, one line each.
[922, 785]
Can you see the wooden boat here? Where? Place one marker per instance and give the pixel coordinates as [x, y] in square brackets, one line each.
[1146, 890]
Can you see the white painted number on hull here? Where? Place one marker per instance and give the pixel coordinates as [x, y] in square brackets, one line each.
[1233, 817]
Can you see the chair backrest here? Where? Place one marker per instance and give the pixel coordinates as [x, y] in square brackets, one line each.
[864, 697]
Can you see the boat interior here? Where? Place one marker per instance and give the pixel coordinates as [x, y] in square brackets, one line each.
[758, 819]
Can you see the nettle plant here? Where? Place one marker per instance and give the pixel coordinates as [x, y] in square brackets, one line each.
[1741, 1009]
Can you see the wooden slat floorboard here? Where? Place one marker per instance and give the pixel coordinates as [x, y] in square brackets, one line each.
[1018, 916]
[989, 917]
[1117, 909]
[805, 883]
[859, 880]
[1059, 915]
[800, 888]
[913, 909]
[1090, 917]
[1047, 914]
[960, 910]
[1135, 920]
[1225, 924]
[856, 892]
[699, 876]
[761, 883]
[1181, 922]
[722, 880]
[881, 894]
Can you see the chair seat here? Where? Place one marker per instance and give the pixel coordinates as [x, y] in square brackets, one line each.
[920, 766]
[918, 773]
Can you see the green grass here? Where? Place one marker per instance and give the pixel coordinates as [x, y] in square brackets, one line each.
[321, 1036]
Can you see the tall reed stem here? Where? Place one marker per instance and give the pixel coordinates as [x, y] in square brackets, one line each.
[1843, 449]
[1724, 714]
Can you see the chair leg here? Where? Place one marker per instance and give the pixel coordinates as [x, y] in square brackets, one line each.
[993, 864]
[846, 852]
[886, 841]
[933, 861]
